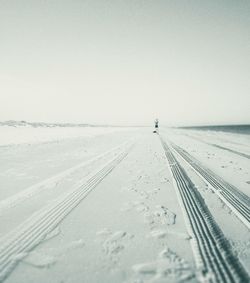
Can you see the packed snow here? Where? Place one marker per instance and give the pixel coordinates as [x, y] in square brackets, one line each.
[10, 135]
[110, 204]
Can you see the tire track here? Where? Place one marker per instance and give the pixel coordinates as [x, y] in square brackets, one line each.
[214, 258]
[236, 200]
[17, 244]
[221, 147]
[230, 150]
[16, 199]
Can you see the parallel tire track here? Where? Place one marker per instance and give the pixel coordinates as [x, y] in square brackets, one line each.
[236, 200]
[24, 238]
[231, 150]
[215, 260]
[18, 198]
[221, 147]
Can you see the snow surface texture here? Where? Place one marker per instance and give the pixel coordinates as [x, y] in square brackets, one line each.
[18, 135]
[114, 205]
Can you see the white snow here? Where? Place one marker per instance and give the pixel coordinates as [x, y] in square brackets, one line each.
[18, 135]
[128, 225]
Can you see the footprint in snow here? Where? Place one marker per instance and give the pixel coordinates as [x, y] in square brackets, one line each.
[40, 260]
[113, 243]
[168, 267]
[161, 216]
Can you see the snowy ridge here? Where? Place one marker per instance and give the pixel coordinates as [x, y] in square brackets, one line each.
[17, 244]
[214, 257]
[13, 123]
[35, 189]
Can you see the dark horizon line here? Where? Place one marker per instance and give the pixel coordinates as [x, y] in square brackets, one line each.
[70, 124]
[214, 125]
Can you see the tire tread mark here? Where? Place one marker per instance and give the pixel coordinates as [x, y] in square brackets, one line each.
[28, 235]
[215, 260]
[236, 200]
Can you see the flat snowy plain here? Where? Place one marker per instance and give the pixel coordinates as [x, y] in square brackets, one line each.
[124, 205]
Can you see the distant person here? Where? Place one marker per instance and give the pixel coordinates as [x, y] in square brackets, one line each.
[156, 126]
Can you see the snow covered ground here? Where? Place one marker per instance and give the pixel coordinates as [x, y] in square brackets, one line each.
[123, 205]
[20, 135]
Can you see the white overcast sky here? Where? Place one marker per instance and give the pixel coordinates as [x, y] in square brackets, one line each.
[125, 61]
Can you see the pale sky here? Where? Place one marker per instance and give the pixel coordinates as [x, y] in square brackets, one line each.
[125, 61]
